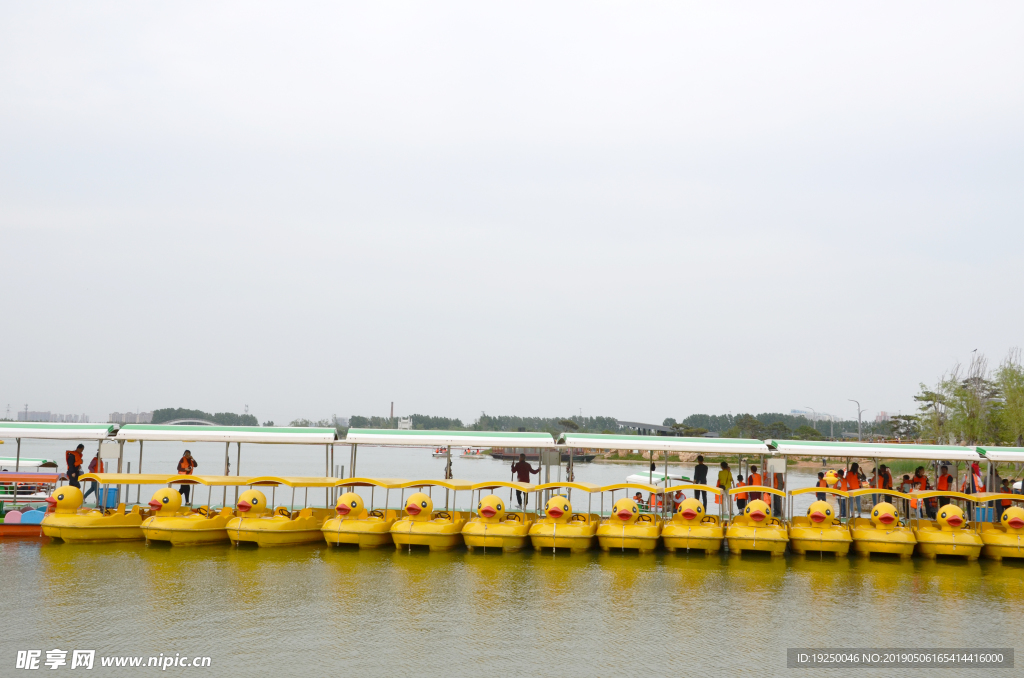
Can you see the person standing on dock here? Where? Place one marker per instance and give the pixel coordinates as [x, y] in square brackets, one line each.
[754, 478]
[741, 497]
[94, 467]
[185, 466]
[725, 482]
[841, 485]
[523, 471]
[75, 459]
[820, 496]
[700, 477]
[853, 483]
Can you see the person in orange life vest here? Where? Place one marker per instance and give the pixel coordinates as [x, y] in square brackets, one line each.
[820, 496]
[944, 483]
[918, 483]
[94, 467]
[972, 484]
[841, 485]
[639, 498]
[1005, 503]
[873, 482]
[74, 460]
[185, 466]
[677, 499]
[741, 497]
[754, 478]
[853, 483]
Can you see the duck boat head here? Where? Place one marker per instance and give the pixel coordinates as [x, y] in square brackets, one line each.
[558, 510]
[252, 504]
[758, 512]
[820, 513]
[884, 515]
[350, 506]
[65, 500]
[1013, 520]
[690, 512]
[950, 518]
[419, 507]
[491, 509]
[624, 512]
[165, 502]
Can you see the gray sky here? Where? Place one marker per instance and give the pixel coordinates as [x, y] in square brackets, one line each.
[637, 210]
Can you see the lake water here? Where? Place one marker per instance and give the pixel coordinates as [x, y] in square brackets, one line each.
[314, 611]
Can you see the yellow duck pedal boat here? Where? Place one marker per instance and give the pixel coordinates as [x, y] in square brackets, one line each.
[73, 524]
[256, 523]
[948, 535]
[627, 528]
[183, 527]
[882, 532]
[493, 527]
[756, 530]
[819, 531]
[1005, 539]
[690, 528]
[560, 528]
[422, 526]
[357, 526]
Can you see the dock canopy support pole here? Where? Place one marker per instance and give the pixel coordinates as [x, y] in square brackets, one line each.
[138, 488]
[238, 466]
[227, 469]
[352, 461]
[17, 459]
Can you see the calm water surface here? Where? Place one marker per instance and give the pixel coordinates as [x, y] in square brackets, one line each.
[312, 610]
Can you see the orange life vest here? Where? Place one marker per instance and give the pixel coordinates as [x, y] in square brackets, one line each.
[75, 456]
[919, 483]
[185, 466]
[852, 481]
[755, 479]
[822, 482]
[741, 495]
[944, 483]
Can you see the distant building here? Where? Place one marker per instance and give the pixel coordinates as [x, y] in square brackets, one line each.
[26, 415]
[882, 417]
[131, 418]
[405, 424]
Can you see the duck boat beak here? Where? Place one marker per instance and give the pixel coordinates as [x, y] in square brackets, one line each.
[487, 512]
[244, 505]
[689, 514]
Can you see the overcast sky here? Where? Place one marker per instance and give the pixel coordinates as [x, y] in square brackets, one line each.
[638, 210]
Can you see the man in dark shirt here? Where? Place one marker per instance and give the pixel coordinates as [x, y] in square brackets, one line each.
[74, 459]
[700, 477]
[523, 471]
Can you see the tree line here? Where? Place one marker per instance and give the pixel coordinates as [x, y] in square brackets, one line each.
[222, 418]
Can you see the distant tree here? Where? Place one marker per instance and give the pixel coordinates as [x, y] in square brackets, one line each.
[807, 433]
[669, 422]
[689, 431]
[268, 423]
[905, 426]
[1010, 378]
[777, 430]
[223, 418]
[569, 424]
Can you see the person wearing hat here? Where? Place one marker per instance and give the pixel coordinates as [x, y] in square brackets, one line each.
[185, 466]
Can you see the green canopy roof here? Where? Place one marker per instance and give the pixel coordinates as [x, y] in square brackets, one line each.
[43, 430]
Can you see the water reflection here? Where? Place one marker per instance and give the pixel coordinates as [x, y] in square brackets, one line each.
[312, 609]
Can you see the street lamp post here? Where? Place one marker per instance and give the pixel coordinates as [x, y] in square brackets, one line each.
[859, 411]
[815, 412]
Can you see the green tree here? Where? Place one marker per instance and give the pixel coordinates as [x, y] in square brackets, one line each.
[905, 426]
[569, 424]
[973, 402]
[1010, 379]
[807, 433]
